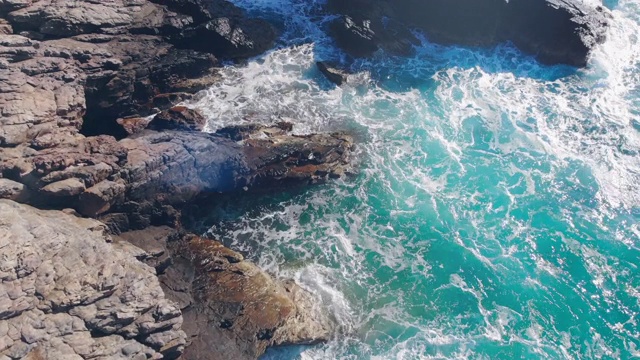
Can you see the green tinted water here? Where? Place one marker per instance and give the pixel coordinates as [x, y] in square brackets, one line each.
[495, 213]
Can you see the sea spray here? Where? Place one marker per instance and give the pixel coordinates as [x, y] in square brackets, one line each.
[496, 210]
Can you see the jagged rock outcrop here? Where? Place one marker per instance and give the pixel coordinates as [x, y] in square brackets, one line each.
[178, 118]
[99, 174]
[67, 292]
[77, 81]
[71, 66]
[361, 37]
[232, 309]
[556, 31]
[79, 69]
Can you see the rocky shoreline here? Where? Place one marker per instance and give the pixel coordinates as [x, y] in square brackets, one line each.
[95, 262]
[77, 81]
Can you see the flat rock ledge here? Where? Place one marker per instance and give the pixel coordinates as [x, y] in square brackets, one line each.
[67, 292]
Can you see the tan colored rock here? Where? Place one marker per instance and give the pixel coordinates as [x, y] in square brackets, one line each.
[5, 27]
[12, 190]
[99, 198]
[232, 309]
[133, 125]
[67, 293]
[68, 187]
[178, 118]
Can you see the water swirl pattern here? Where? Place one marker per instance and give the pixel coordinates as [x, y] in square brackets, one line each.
[496, 211]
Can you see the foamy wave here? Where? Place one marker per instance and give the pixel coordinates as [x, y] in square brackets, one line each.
[496, 196]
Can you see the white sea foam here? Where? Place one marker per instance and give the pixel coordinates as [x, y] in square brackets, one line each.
[431, 152]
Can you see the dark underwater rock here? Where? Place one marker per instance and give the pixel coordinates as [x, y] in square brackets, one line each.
[331, 72]
[556, 31]
[234, 38]
[355, 37]
[361, 37]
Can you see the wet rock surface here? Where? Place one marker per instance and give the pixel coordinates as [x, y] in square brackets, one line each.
[332, 72]
[100, 175]
[79, 69]
[555, 31]
[67, 292]
[232, 309]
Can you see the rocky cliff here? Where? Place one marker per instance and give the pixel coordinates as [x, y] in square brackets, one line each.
[77, 80]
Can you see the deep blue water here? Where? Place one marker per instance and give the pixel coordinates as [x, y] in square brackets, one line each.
[496, 211]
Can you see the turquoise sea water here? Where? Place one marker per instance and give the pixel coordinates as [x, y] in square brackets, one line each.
[496, 209]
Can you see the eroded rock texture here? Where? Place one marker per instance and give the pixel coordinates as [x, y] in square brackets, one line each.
[66, 292]
[76, 72]
[232, 309]
[77, 81]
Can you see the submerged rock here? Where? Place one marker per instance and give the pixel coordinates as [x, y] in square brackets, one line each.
[361, 37]
[331, 72]
[556, 31]
[67, 292]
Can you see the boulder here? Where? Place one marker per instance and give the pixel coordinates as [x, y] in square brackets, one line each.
[67, 292]
[133, 125]
[13, 190]
[229, 37]
[67, 187]
[556, 31]
[5, 27]
[178, 118]
[221, 29]
[233, 310]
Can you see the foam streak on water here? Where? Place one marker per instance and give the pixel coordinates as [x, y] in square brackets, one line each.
[496, 214]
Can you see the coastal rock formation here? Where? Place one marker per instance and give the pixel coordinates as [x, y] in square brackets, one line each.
[178, 118]
[76, 73]
[555, 31]
[232, 309]
[78, 66]
[78, 81]
[99, 174]
[67, 292]
[361, 37]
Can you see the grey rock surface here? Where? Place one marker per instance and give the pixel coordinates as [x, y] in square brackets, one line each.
[67, 292]
[13, 190]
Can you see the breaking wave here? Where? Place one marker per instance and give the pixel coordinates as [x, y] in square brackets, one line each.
[496, 211]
